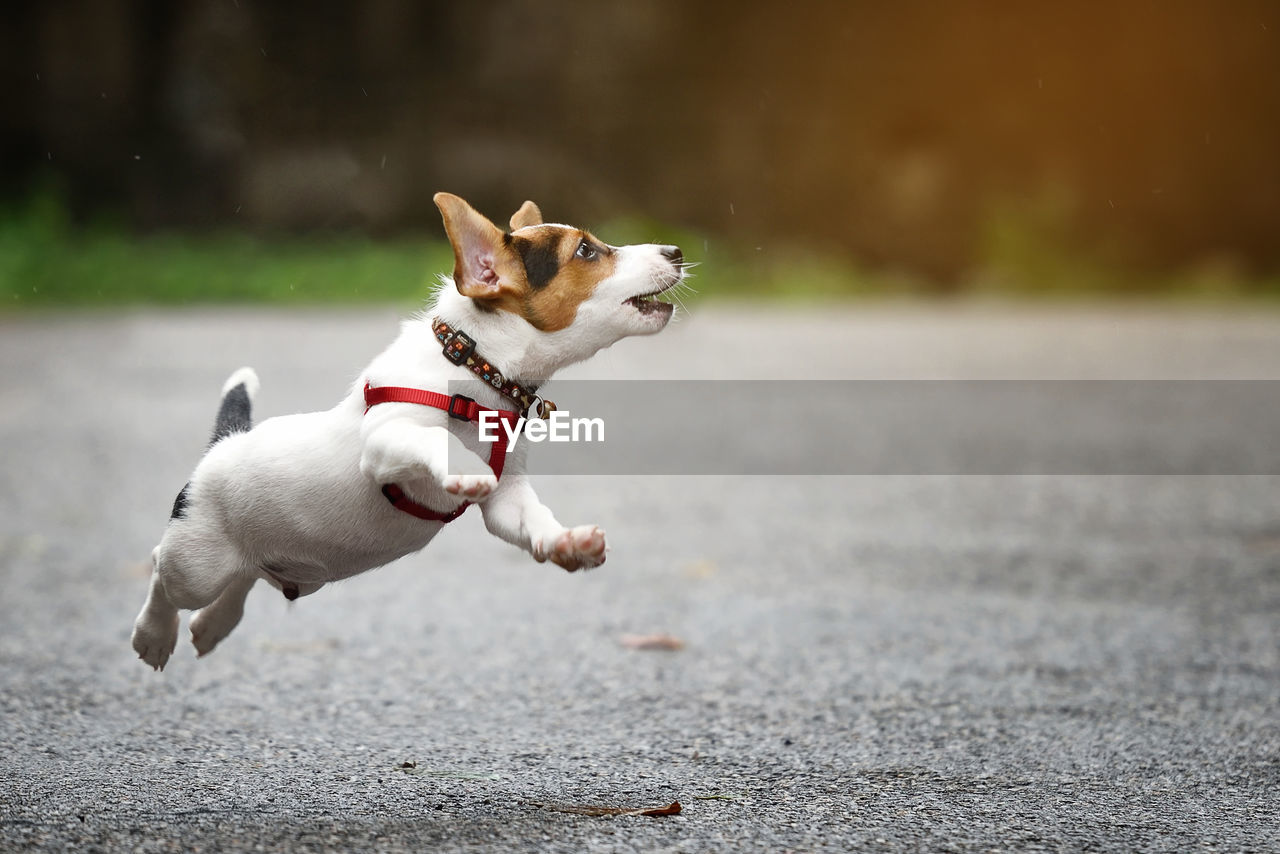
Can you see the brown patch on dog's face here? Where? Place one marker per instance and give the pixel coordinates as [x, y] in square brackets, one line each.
[541, 272]
[562, 268]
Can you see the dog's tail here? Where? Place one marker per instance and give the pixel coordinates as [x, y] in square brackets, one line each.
[235, 414]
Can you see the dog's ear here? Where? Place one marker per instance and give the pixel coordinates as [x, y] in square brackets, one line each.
[484, 266]
[526, 216]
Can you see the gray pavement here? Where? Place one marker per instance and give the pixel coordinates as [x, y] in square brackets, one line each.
[960, 663]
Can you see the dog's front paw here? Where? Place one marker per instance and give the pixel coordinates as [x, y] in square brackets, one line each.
[582, 547]
[472, 487]
[154, 639]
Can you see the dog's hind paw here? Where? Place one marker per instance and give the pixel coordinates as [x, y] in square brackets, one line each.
[472, 487]
[155, 643]
[582, 547]
[210, 626]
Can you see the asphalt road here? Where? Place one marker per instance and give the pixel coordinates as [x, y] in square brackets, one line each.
[969, 663]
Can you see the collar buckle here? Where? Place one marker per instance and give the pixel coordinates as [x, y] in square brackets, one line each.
[458, 347]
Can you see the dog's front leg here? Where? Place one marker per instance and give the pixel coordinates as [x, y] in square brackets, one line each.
[401, 450]
[515, 514]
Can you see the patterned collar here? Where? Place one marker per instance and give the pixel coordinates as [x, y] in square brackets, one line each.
[460, 348]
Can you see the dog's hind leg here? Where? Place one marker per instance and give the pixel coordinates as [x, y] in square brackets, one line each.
[193, 566]
[155, 632]
[215, 621]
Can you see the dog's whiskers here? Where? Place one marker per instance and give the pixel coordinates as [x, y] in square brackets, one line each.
[676, 293]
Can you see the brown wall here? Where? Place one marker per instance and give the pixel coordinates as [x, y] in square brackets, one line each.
[1146, 130]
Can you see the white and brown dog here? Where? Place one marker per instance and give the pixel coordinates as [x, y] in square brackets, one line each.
[302, 500]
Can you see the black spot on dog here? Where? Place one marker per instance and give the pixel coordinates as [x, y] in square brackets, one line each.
[180, 504]
[541, 260]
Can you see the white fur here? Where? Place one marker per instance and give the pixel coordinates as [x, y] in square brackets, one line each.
[297, 499]
[246, 376]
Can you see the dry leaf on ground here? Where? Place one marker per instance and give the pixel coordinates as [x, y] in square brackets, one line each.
[656, 641]
[672, 808]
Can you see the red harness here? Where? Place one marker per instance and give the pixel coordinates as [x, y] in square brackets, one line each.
[458, 406]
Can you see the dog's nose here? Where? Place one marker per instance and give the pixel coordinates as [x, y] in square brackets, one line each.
[672, 254]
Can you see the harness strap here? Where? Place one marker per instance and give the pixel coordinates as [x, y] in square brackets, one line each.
[458, 406]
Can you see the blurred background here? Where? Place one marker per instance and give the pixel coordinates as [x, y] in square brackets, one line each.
[207, 150]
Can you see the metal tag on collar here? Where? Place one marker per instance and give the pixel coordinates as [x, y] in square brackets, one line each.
[458, 347]
[540, 407]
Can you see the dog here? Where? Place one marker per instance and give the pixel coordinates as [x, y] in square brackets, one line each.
[303, 500]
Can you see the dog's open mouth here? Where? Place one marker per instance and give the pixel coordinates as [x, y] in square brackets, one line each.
[650, 303]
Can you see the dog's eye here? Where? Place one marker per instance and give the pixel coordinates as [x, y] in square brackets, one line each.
[586, 251]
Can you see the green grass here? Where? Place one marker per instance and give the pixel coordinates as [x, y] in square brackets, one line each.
[731, 271]
[1029, 251]
[44, 261]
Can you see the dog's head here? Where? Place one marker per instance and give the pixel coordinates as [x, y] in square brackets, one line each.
[557, 277]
